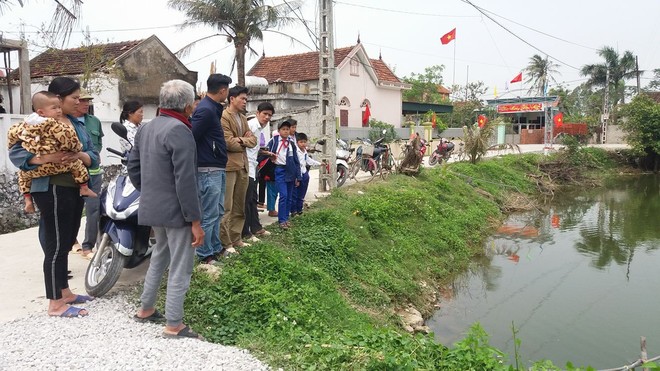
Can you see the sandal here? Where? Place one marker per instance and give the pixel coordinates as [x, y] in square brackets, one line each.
[72, 312]
[155, 317]
[185, 332]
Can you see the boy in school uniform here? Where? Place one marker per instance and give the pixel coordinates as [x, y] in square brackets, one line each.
[283, 153]
[305, 162]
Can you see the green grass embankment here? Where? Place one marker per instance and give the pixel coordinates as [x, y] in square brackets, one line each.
[323, 295]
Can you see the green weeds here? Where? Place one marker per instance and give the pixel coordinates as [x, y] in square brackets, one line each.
[324, 294]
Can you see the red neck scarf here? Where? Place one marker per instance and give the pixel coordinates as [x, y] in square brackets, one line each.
[177, 115]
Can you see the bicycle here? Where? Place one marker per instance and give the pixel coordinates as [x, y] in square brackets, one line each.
[386, 165]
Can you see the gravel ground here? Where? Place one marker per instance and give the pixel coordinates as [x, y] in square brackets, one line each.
[109, 339]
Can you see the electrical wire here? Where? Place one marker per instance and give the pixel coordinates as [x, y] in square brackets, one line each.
[535, 30]
[210, 54]
[404, 12]
[516, 36]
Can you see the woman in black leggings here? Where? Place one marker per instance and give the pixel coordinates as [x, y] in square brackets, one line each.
[60, 204]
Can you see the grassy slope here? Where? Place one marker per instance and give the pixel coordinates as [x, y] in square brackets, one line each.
[324, 294]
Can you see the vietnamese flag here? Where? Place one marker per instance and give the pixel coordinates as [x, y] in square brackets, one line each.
[365, 116]
[482, 120]
[448, 37]
[559, 119]
[518, 78]
[434, 121]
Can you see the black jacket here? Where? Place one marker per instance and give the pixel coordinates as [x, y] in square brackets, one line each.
[208, 133]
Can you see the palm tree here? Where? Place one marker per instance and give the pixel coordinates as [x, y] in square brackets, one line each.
[621, 68]
[540, 72]
[240, 21]
[64, 19]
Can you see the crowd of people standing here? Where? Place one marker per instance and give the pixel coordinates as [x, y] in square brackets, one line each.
[203, 170]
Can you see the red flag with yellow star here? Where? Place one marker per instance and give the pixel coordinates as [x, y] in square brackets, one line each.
[482, 120]
[448, 37]
[559, 119]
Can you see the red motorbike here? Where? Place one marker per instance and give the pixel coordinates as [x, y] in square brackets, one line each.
[442, 152]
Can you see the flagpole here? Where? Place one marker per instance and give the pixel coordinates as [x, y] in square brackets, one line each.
[453, 80]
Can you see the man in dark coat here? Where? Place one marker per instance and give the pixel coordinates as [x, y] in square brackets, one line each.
[162, 166]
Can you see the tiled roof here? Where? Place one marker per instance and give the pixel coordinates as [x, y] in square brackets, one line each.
[305, 67]
[60, 62]
[383, 72]
[443, 90]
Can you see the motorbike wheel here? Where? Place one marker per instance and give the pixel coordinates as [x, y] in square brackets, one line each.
[342, 174]
[433, 159]
[104, 269]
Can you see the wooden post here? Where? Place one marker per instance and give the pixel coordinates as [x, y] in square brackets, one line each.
[24, 66]
[26, 81]
[644, 355]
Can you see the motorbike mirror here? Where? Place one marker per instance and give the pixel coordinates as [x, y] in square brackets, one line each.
[321, 142]
[120, 130]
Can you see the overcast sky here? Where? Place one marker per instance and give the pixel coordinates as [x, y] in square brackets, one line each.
[406, 33]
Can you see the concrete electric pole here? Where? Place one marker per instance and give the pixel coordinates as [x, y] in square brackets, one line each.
[327, 84]
[606, 109]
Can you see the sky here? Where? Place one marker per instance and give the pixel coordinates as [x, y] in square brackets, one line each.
[406, 33]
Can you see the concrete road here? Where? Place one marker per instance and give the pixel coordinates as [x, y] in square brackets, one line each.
[22, 259]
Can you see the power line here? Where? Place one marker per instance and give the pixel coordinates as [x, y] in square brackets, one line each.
[404, 12]
[435, 55]
[210, 54]
[535, 30]
[516, 36]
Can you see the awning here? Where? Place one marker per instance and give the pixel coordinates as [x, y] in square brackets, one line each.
[414, 108]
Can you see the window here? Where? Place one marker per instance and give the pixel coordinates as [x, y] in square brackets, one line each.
[344, 102]
[343, 117]
[355, 67]
[365, 103]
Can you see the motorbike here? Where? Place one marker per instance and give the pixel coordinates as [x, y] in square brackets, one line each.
[442, 152]
[122, 243]
[342, 154]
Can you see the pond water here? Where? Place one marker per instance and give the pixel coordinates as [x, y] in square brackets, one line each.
[581, 283]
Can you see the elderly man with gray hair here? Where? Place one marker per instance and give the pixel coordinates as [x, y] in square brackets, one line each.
[162, 166]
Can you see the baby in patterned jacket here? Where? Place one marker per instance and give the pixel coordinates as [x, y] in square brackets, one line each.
[41, 133]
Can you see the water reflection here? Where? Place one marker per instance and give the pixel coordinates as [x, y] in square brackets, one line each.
[621, 220]
[562, 276]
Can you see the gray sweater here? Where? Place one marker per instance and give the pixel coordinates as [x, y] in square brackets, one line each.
[162, 165]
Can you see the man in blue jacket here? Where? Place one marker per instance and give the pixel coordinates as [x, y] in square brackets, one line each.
[211, 163]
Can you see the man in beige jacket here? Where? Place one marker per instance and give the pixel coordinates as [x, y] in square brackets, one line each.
[238, 137]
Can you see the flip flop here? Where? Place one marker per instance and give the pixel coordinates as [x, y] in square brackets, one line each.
[156, 317]
[81, 299]
[185, 332]
[72, 312]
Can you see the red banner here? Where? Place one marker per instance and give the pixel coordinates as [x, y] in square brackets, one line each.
[520, 107]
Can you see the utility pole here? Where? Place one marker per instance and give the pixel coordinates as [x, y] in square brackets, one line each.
[327, 84]
[606, 109]
[637, 71]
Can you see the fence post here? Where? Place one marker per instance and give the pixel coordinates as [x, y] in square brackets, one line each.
[644, 356]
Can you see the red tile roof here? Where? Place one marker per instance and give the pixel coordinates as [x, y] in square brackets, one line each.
[443, 90]
[60, 62]
[305, 67]
[383, 72]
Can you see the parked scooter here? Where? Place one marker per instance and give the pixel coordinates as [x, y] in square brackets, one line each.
[123, 242]
[442, 152]
[342, 154]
